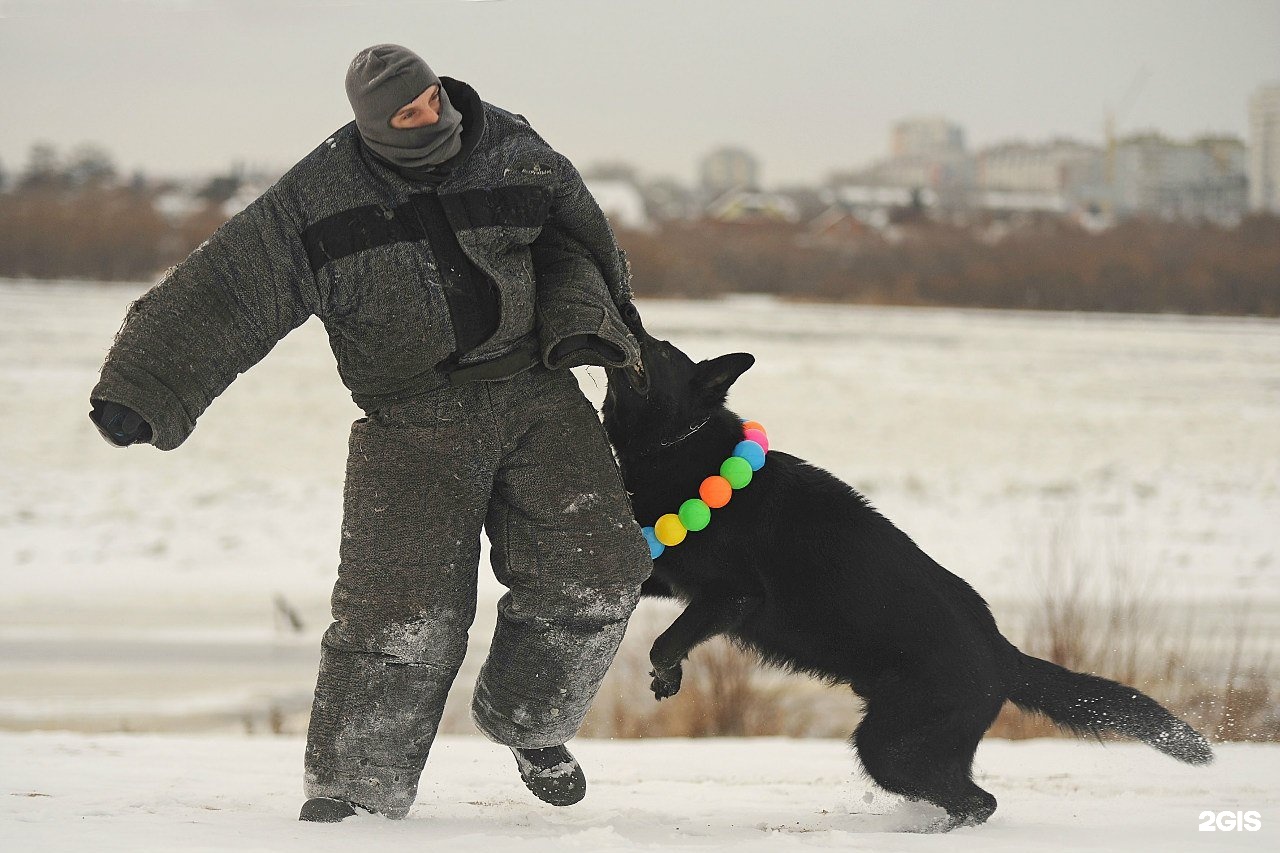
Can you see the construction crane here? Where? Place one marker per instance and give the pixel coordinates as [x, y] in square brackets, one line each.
[1110, 119]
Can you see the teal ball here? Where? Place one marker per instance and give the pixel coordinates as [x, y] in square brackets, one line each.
[752, 452]
[655, 547]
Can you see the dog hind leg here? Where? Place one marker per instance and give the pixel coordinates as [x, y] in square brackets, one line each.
[913, 747]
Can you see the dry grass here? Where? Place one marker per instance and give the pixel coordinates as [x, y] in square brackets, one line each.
[1095, 613]
[725, 693]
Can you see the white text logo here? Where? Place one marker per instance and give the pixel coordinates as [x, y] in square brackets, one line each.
[1230, 821]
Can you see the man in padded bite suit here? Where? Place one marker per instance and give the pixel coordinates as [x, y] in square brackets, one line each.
[460, 267]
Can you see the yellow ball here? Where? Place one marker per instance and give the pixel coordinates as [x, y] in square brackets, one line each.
[669, 530]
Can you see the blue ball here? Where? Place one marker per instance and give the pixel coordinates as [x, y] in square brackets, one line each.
[752, 452]
[655, 547]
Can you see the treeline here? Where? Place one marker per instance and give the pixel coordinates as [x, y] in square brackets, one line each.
[1138, 265]
[77, 217]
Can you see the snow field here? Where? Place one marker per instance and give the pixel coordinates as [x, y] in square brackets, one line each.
[160, 794]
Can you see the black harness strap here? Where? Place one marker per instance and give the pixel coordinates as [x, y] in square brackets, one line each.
[370, 226]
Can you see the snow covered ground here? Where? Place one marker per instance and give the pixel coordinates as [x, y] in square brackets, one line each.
[139, 586]
[152, 592]
[160, 794]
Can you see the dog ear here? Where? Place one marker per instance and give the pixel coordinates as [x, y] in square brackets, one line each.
[712, 378]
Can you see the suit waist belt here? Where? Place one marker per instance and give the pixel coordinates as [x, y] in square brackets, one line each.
[517, 361]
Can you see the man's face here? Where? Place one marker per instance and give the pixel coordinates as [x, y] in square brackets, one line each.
[422, 111]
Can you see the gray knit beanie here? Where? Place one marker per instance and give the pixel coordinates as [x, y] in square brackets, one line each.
[380, 81]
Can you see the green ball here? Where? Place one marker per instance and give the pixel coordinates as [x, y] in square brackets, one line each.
[737, 471]
[694, 514]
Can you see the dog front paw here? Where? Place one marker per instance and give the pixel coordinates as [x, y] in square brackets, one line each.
[666, 682]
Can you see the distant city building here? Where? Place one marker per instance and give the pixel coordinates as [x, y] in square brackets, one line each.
[1033, 167]
[926, 138]
[928, 159]
[668, 200]
[729, 169]
[838, 225]
[177, 203]
[1202, 179]
[878, 205]
[743, 205]
[228, 193]
[1060, 176]
[621, 201]
[917, 172]
[928, 171]
[1264, 149]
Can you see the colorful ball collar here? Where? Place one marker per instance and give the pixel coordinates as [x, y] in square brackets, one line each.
[715, 491]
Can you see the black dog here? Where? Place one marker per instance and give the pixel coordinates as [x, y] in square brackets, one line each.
[801, 568]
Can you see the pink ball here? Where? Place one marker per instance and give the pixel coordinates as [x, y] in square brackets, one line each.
[758, 437]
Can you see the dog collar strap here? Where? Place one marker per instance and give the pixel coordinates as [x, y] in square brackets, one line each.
[692, 429]
[714, 493]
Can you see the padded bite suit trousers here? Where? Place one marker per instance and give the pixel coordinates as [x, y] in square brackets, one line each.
[526, 460]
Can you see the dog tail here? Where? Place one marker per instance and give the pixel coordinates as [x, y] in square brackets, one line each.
[1089, 705]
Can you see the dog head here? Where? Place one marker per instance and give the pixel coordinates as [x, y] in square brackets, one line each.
[670, 395]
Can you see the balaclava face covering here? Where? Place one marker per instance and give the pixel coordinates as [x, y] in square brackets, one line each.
[380, 81]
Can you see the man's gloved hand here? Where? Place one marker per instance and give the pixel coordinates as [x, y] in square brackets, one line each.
[119, 425]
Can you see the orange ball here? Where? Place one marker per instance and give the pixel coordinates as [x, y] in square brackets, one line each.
[715, 492]
[754, 425]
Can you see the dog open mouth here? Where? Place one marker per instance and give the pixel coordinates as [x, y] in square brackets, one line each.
[637, 378]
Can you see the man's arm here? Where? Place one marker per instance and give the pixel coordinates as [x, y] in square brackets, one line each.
[211, 317]
[583, 282]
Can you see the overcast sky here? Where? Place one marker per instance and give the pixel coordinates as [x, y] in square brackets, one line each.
[809, 86]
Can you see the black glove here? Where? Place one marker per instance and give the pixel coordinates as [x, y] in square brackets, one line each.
[631, 316]
[119, 425]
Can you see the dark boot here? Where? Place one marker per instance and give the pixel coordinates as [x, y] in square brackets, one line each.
[329, 810]
[552, 774]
